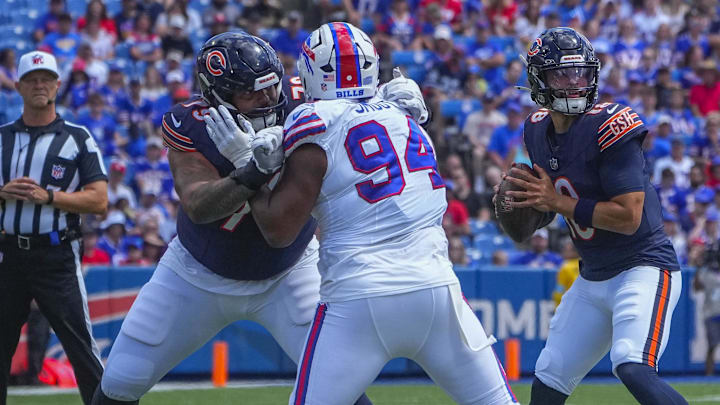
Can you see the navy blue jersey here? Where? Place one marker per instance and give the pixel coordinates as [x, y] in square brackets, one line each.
[600, 157]
[232, 247]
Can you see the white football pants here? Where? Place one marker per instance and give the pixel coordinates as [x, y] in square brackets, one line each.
[349, 342]
[172, 318]
[628, 314]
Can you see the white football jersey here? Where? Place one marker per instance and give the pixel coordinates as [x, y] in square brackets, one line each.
[381, 204]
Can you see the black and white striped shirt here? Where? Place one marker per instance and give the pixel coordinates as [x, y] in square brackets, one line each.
[60, 156]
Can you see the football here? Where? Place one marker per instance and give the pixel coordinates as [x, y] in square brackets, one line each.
[518, 223]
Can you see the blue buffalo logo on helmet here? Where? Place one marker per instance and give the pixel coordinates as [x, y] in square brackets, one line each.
[215, 63]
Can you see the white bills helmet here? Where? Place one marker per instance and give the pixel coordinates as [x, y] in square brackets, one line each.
[338, 60]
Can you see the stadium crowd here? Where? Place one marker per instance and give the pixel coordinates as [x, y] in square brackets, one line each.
[125, 62]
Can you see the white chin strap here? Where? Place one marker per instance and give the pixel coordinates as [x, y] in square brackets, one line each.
[569, 105]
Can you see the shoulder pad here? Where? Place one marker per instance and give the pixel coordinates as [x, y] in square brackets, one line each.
[183, 123]
[303, 125]
[616, 124]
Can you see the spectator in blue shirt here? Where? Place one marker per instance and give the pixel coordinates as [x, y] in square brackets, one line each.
[695, 35]
[661, 137]
[539, 256]
[485, 53]
[134, 109]
[629, 47]
[114, 90]
[683, 120]
[706, 145]
[101, 124]
[672, 198]
[152, 172]
[507, 136]
[288, 40]
[48, 22]
[64, 42]
[113, 240]
[448, 70]
[398, 28]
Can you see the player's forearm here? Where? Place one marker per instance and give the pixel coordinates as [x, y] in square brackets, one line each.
[81, 202]
[614, 217]
[213, 200]
[276, 221]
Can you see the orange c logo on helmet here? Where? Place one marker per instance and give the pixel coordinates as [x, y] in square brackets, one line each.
[221, 60]
[535, 48]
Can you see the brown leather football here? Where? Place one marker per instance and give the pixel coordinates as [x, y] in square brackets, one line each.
[518, 223]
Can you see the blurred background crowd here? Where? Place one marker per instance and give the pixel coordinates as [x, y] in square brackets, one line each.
[125, 62]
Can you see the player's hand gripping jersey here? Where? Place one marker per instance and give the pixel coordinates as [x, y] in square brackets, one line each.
[596, 166]
[381, 191]
[232, 247]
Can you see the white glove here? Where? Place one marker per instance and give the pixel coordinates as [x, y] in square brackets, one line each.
[267, 149]
[231, 141]
[405, 93]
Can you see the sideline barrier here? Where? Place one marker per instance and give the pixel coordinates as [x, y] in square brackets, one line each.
[512, 303]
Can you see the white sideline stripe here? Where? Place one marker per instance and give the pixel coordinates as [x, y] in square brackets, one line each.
[164, 386]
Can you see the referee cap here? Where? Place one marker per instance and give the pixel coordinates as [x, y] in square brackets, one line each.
[37, 60]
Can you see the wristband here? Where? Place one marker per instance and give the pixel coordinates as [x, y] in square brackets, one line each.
[250, 177]
[584, 212]
[51, 196]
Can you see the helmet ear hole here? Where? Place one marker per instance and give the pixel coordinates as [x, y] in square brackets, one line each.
[326, 68]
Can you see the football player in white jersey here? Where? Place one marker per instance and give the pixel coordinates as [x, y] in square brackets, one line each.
[366, 171]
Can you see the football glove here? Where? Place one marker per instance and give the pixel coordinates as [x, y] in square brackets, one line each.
[267, 150]
[231, 141]
[405, 93]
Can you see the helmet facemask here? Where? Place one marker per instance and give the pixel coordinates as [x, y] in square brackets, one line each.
[568, 88]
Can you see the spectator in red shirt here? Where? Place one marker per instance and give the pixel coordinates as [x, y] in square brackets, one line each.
[93, 255]
[456, 220]
[96, 9]
[502, 14]
[705, 97]
[144, 44]
[450, 9]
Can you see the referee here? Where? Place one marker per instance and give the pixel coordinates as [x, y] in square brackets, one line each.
[50, 171]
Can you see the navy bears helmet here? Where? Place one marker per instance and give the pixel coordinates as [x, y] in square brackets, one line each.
[563, 71]
[234, 62]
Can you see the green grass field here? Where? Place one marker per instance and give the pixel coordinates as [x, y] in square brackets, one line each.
[381, 394]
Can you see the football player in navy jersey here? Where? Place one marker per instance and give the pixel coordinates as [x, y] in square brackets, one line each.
[219, 269]
[591, 170]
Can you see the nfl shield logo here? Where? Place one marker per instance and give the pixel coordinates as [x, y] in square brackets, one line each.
[58, 171]
[554, 163]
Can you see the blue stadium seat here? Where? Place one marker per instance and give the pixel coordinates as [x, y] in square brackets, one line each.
[113, 6]
[76, 7]
[122, 51]
[199, 5]
[416, 72]
[483, 227]
[459, 108]
[368, 25]
[410, 58]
